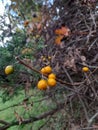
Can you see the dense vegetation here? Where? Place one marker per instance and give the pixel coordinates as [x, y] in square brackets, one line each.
[43, 37]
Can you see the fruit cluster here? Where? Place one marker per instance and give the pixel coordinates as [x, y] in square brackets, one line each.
[50, 81]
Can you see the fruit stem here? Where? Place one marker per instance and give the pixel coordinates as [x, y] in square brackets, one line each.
[28, 66]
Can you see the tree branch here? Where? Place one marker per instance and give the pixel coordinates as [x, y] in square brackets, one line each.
[4, 122]
[92, 119]
[33, 119]
[32, 68]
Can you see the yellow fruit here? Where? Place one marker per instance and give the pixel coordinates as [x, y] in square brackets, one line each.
[42, 84]
[48, 69]
[9, 69]
[52, 75]
[85, 69]
[51, 82]
[43, 71]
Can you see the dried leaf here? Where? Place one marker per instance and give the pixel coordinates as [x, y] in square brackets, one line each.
[25, 105]
[19, 118]
[58, 39]
[57, 67]
[62, 31]
[39, 25]
[27, 87]
[70, 63]
[26, 23]
[83, 58]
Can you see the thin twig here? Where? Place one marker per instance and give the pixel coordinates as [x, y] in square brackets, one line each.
[33, 119]
[82, 103]
[4, 122]
[88, 128]
[90, 121]
[32, 68]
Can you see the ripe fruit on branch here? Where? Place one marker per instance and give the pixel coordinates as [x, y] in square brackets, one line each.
[52, 75]
[43, 71]
[42, 84]
[51, 82]
[85, 69]
[46, 70]
[9, 69]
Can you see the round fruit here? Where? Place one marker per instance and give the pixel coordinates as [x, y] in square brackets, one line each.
[85, 69]
[43, 71]
[9, 69]
[51, 82]
[42, 84]
[52, 75]
[48, 69]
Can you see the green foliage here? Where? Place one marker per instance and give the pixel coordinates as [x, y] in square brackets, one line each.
[7, 113]
[6, 57]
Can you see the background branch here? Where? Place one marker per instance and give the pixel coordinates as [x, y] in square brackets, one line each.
[33, 119]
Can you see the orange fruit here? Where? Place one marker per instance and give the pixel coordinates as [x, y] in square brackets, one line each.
[9, 69]
[85, 69]
[51, 82]
[43, 71]
[48, 69]
[42, 84]
[52, 75]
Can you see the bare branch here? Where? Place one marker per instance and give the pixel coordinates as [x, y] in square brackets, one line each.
[90, 121]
